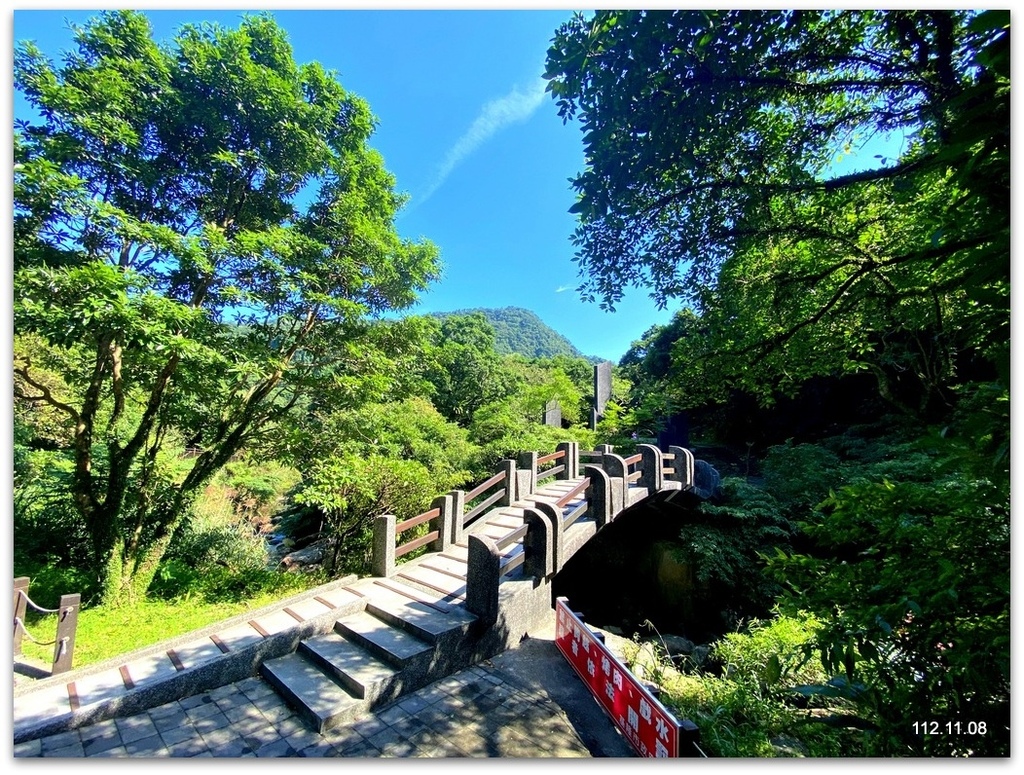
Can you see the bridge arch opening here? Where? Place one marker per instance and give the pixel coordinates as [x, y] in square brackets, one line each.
[638, 570]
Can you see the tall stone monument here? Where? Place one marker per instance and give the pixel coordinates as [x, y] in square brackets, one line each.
[602, 391]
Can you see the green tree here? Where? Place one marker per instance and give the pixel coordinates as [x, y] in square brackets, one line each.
[461, 366]
[710, 139]
[200, 229]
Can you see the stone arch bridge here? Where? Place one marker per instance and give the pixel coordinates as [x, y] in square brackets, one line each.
[463, 581]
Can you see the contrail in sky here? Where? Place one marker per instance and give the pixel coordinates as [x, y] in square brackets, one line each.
[516, 106]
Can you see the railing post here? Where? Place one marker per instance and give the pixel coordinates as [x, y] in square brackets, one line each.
[442, 523]
[458, 506]
[538, 544]
[651, 475]
[527, 474]
[571, 459]
[618, 473]
[599, 503]
[384, 546]
[67, 623]
[684, 463]
[554, 517]
[20, 606]
[508, 467]
[604, 449]
[482, 576]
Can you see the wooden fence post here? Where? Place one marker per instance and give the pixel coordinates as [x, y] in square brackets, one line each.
[20, 606]
[67, 624]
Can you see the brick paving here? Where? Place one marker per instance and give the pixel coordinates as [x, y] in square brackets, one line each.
[474, 713]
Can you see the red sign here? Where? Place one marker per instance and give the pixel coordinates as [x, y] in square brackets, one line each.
[651, 729]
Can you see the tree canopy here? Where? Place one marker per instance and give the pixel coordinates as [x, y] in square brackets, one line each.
[200, 232]
[710, 139]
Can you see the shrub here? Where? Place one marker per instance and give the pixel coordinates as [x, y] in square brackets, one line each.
[744, 710]
[723, 542]
[351, 490]
[912, 582]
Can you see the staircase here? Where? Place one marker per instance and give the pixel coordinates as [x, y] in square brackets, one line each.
[410, 630]
[370, 657]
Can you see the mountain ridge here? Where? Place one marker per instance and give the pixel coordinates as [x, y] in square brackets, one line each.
[518, 330]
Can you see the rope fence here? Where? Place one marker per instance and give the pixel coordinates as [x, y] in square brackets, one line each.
[67, 624]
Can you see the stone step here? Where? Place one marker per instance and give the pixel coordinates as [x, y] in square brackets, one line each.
[417, 618]
[439, 582]
[394, 646]
[445, 564]
[322, 702]
[397, 586]
[359, 672]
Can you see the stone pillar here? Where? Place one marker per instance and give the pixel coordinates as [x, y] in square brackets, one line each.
[538, 544]
[554, 516]
[482, 577]
[571, 459]
[683, 466]
[509, 468]
[442, 523]
[651, 475]
[599, 500]
[553, 414]
[617, 470]
[458, 508]
[526, 474]
[604, 448]
[384, 546]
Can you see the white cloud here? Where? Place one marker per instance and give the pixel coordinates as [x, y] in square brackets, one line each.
[563, 288]
[515, 107]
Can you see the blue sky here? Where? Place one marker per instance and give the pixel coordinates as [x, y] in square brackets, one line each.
[470, 135]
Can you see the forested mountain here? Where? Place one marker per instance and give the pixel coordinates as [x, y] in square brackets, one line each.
[518, 330]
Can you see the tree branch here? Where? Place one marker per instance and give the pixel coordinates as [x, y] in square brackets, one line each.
[45, 396]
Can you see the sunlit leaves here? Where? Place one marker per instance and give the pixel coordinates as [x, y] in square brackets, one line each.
[205, 221]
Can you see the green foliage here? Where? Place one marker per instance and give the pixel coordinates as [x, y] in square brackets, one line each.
[911, 580]
[743, 710]
[351, 490]
[201, 229]
[410, 429]
[722, 540]
[462, 368]
[710, 138]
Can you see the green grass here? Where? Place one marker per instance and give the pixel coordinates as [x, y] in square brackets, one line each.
[103, 633]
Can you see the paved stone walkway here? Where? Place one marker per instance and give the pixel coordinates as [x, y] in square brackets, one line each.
[494, 709]
[471, 714]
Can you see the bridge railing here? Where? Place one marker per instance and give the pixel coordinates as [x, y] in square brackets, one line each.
[543, 544]
[682, 467]
[447, 519]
